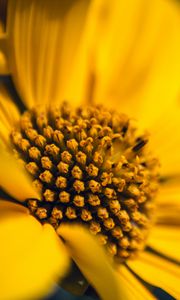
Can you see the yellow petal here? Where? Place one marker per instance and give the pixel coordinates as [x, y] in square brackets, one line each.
[165, 139]
[166, 240]
[137, 57]
[32, 257]
[93, 262]
[9, 114]
[4, 69]
[158, 272]
[14, 179]
[134, 287]
[43, 40]
[8, 110]
[168, 202]
[8, 207]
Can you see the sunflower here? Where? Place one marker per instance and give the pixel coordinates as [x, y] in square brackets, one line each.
[126, 54]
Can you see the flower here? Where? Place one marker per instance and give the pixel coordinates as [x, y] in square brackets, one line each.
[58, 51]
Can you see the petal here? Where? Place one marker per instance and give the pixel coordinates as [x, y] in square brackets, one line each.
[9, 114]
[133, 286]
[14, 179]
[43, 40]
[93, 262]
[8, 110]
[4, 68]
[137, 57]
[165, 139]
[166, 240]
[32, 257]
[8, 207]
[168, 203]
[158, 272]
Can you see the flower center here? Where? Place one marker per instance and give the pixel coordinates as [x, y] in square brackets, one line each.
[90, 167]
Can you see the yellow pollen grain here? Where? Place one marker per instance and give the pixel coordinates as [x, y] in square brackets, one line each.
[46, 163]
[86, 215]
[34, 153]
[81, 158]
[79, 201]
[64, 197]
[49, 195]
[57, 213]
[58, 137]
[37, 184]
[78, 186]
[94, 227]
[24, 144]
[41, 212]
[32, 168]
[117, 232]
[46, 176]
[61, 182]
[71, 213]
[72, 145]
[94, 186]
[93, 200]
[102, 213]
[77, 172]
[63, 167]
[40, 141]
[48, 132]
[66, 157]
[52, 150]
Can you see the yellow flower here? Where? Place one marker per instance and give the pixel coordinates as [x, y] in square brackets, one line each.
[126, 54]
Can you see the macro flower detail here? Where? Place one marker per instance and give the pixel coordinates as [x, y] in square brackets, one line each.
[80, 185]
[91, 167]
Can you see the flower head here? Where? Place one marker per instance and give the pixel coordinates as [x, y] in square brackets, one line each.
[89, 166]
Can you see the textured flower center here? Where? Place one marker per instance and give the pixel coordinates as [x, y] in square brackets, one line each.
[90, 167]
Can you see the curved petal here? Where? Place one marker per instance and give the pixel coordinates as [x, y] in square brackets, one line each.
[32, 257]
[9, 114]
[166, 240]
[14, 179]
[43, 40]
[4, 68]
[8, 110]
[158, 272]
[93, 262]
[137, 57]
[133, 286]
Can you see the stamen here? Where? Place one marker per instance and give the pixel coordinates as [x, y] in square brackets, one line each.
[90, 167]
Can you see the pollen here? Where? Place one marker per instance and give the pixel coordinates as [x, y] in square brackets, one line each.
[91, 167]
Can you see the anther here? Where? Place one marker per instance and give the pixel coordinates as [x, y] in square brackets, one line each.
[46, 163]
[49, 195]
[78, 186]
[52, 150]
[86, 215]
[76, 172]
[32, 168]
[63, 167]
[93, 200]
[71, 213]
[34, 153]
[46, 176]
[78, 201]
[64, 197]
[61, 182]
[94, 186]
